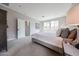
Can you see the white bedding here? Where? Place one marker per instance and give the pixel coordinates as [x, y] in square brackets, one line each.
[45, 34]
[49, 40]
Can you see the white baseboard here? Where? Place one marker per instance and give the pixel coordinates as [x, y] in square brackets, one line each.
[16, 38]
[24, 37]
[11, 39]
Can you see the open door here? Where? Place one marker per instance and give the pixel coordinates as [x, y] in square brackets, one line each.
[20, 28]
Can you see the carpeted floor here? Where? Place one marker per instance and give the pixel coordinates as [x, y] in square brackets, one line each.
[25, 47]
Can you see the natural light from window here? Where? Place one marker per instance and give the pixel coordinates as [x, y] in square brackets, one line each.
[50, 26]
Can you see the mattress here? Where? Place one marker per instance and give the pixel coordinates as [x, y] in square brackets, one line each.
[49, 40]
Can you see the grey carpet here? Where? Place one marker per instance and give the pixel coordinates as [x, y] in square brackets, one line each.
[25, 47]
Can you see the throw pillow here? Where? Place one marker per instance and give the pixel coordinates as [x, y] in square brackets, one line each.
[68, 41]
[73, 34]
[76, 41]
[65, 32]
[58, 33]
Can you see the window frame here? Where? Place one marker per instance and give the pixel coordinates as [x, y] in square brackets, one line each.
[55, 26]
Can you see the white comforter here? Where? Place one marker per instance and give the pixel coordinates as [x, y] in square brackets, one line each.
[49, 38]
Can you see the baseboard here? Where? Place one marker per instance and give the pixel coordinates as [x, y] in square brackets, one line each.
[16, 38]
[11, 39]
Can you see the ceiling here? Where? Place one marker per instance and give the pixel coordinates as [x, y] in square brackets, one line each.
[41, 11]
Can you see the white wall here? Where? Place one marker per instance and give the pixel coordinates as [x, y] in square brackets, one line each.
[32, 26]
[11, 22]
[62, 22]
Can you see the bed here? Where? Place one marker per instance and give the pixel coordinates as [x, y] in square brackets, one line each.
[49, 40]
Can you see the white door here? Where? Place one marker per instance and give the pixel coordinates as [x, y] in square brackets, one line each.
[21, 28]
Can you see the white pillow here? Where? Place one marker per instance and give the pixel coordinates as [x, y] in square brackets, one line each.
[58, 33]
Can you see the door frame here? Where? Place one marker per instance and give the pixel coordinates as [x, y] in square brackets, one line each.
[17, 27]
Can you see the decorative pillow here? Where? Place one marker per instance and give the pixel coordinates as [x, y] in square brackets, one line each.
[76, 41]
[65, 32]
[68, 41]
[58, 33]
[73, 34]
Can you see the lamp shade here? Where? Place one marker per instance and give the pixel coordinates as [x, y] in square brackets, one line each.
[73, 16]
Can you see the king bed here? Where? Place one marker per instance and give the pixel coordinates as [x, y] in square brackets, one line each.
[49, 40]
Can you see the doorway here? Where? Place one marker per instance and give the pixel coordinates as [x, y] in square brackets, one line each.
[20, 28]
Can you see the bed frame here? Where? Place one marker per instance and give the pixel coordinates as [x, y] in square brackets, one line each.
[52, 47]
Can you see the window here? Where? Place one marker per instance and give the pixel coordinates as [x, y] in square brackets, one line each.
[46, 25]
[51, 25]
[54, 25]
